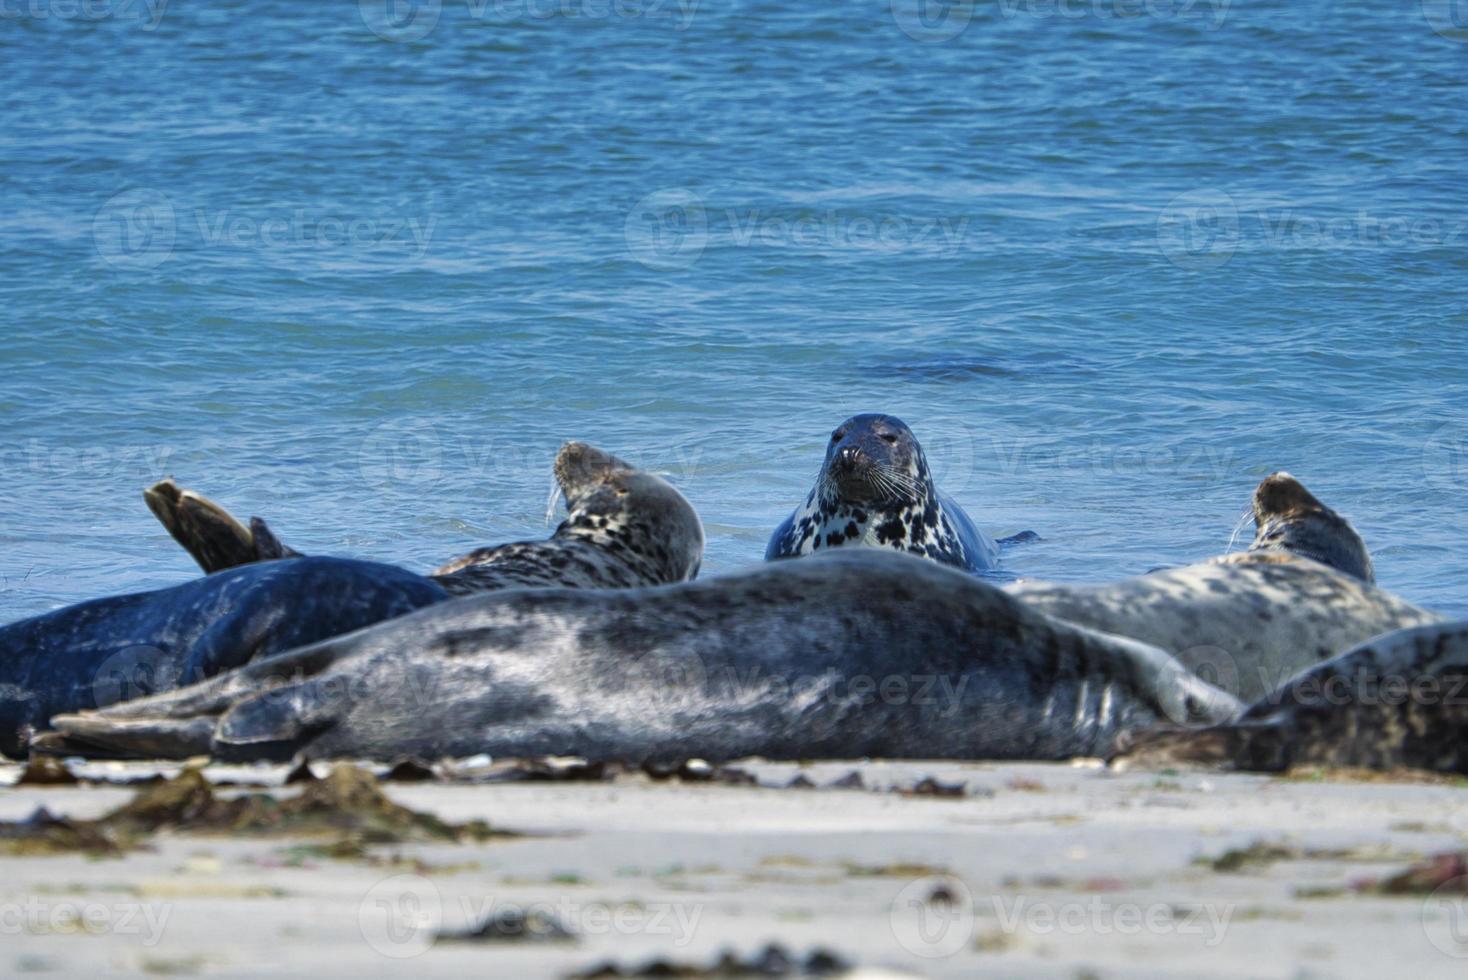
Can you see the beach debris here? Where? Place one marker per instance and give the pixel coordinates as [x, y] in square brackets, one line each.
[929, 786]
[46, 770]
[514, 925]
[1447, 872]
[772, 961]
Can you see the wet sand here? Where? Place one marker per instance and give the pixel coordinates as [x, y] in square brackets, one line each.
[1036, 871]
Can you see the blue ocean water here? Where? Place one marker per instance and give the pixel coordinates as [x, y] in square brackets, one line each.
[359, 268]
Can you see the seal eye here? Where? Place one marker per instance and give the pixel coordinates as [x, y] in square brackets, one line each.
[889, 438]
[837, 436]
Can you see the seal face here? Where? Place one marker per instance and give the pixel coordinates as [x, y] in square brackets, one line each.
[875, 490]
[1397, 700]
[624, 528]
[1288, 518]
[775, 661]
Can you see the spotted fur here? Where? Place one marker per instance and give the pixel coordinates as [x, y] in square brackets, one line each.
[1289, 519]
[624, 528]
[875, 490]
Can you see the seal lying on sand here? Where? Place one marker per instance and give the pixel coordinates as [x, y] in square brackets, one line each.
[1398, 700]
[874, 489]
[624, 528]
[857, 653]
[95, 653]
[1289, 520]
[1249, 621]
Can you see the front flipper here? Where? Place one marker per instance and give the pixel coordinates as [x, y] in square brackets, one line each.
[208, 532]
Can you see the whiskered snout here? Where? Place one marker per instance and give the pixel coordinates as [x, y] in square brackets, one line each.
[580, 466]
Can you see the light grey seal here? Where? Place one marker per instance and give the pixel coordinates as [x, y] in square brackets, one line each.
[1399, 700]
[1246, 622]
[875, 490]
[857, 653]
[624, 527]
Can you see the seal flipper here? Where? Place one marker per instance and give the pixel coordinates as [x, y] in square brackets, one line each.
[208, 532]
[147, 738]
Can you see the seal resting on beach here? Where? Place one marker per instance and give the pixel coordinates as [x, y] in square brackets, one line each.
[1399, 700]
[1248, 622]
[624, 527]
[94, 653]
[856, 653]
[875, 490]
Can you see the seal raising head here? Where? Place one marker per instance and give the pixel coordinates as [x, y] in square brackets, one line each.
[1288, 518]
[874, 489]
[624, 528]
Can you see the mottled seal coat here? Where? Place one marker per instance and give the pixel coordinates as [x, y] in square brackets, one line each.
[94, 653]
[1400, 700]
[875, 490]
[1289, 520]
[624, 527]
[852, 654]
[1248, 621]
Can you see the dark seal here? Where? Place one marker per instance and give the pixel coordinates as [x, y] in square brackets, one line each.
[624, 527]
[1288, 518]
[95, 653]
[875, 490]
[857, 653]
[1400, 700]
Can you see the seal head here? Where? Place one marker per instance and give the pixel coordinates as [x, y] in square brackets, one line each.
[624, 527]
[1289, 518]
[875, 490]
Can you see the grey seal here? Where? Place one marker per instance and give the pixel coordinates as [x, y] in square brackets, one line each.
[624, 527]
[856, 653]
[875, 490]
[93, 653]
[1399, 700]
[1249, 621]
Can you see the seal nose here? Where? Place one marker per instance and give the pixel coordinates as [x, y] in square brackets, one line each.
[848, 455]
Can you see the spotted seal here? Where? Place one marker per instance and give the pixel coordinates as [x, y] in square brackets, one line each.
[875, 490]
[1289, 520]
[1248, 621]
[93, 653]
[855, 653]
[1399, 700]
[624, 527]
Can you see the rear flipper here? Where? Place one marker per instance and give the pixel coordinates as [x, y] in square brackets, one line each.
[1023, 537]
[210, 533]
[1250, 746]
[94, 737]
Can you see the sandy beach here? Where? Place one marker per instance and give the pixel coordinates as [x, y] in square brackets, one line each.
[1034, 871]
